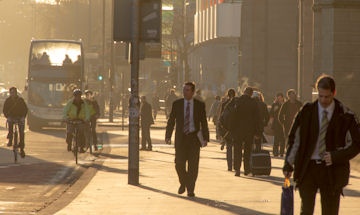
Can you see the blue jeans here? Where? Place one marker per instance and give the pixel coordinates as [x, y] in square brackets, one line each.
[21, 127]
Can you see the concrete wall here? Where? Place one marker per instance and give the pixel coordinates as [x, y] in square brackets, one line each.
[337, 47]
[269, 45]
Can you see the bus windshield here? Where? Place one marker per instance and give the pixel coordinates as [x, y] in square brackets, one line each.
[55, 53]
[50, 94]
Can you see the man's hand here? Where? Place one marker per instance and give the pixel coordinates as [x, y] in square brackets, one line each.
[168, 141]
[287, 174]
[256, 137]
[327, 158]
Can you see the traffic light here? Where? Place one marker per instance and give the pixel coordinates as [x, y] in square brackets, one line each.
[100, 77]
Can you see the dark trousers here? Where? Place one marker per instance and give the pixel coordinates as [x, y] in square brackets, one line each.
[229, 155]
[279, 142]
[187, 151]
[21, 127]
[70, 128]
[145, 136]
[316, 177]
[247, 141]
[93, 130]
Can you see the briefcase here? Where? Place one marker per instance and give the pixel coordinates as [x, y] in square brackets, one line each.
[287, 199]
[260, 162]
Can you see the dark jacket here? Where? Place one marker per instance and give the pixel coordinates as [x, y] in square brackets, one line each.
[15, 108]
[246, 120]
[264, 114]
[146, 114]
[177, 116]
[285, 117]
[342, 140]
[274, 113]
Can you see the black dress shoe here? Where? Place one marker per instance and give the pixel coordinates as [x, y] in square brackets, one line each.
[181, 189]
[191, 194]
[237, 173]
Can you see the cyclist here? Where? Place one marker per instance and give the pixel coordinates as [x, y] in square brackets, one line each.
[76, 109]
[15, 110]
[94, 114]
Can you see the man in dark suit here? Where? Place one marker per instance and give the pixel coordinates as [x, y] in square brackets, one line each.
[324, 137]
[288, 111]
[190, 117]
[146, 122]
[245, 127]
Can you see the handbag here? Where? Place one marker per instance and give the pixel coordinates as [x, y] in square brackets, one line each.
[287, 198]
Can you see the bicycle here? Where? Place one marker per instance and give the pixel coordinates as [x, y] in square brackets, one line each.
[16, 146]
[76, 137]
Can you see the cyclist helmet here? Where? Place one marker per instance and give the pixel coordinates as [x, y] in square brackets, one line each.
[77, 92]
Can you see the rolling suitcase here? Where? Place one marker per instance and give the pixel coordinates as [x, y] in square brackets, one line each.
[260, 162]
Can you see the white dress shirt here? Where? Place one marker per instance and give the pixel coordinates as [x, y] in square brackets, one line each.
[192, 124]
[330, 110]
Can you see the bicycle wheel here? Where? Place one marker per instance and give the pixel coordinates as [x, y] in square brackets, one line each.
[75, 146]
[15, 146]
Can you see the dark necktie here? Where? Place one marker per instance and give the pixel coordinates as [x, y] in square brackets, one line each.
[187, 119]
[323, 128]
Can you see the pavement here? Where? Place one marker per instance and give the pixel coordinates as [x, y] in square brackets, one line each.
[217, 190]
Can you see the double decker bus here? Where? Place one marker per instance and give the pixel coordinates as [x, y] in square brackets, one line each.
[56, 67]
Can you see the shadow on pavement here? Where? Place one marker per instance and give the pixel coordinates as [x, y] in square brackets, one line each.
[271, 179]
[30, 170]
[352, 193]
[100, 167]
[209, 202]
[56, 132]
[113, 156]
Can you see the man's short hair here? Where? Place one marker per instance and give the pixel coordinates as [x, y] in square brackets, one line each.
[326, 82]
[231, 92]
[13, 88]
[191, 84]
[290, 91]
[248, 91]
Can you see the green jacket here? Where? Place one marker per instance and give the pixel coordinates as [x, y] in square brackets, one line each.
[70, 111]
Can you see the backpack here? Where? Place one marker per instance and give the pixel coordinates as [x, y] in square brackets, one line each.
[227, 116]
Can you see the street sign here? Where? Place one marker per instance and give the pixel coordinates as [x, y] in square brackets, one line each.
[150, 25]
[150, 20]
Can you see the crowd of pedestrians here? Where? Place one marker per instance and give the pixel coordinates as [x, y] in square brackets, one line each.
[317, 139]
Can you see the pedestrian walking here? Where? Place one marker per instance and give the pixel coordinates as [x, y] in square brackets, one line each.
[288, 111]
[225, 120]
[324, 137]
[189, 115]
[214, 114]
[146, 122]
[279, 137]
[245, 127]
[264, 118]
[169, 101]
[94, 115]
[155, 105]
